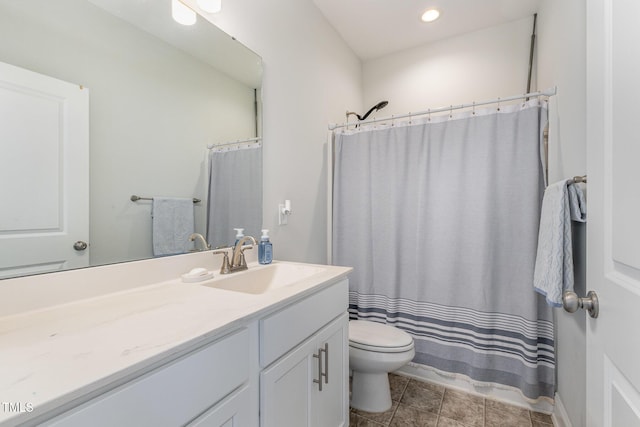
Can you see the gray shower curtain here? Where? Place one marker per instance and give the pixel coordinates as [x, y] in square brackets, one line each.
[440, 221]
[235, 193]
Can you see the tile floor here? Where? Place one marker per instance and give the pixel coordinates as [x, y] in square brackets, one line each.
[417, 403]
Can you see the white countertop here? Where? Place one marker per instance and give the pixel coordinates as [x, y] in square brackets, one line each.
[53, 355]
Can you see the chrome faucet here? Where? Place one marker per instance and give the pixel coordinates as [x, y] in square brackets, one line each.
[200, 238]
[238, 263]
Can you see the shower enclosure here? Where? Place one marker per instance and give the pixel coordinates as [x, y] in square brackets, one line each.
[439, 217]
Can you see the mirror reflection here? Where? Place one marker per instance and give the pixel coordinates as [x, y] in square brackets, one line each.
[104, 99]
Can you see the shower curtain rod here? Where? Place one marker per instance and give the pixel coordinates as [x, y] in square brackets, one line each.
[548, 92]
[240, 141]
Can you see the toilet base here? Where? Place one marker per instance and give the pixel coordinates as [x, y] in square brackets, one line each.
[370, 392]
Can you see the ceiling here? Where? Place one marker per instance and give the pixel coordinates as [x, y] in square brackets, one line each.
[374, 28]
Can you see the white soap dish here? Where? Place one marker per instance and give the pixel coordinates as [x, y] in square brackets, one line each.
[197, 275]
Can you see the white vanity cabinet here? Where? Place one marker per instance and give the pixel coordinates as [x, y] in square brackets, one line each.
[308, 383]
[200, 386]
[284, 364]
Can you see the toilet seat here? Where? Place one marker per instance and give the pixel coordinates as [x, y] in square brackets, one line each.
[378, 337]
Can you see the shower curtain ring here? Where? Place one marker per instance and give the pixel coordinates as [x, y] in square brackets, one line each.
[429, 114]
[473, 108]
[409, 117]
[392, 124]
[450, 111]
[498, 103]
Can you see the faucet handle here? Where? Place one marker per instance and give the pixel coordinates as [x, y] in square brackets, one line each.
[225, 268]
[243, 261]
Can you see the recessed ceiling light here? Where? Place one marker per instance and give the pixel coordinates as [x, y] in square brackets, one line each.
[430, 15]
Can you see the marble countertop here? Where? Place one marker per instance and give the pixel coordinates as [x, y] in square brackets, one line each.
[53, 355]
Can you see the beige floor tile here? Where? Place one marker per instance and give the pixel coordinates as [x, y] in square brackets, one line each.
[448, 422]
[378, 417]
[541, 418]
[358, 421]
[397, 384]
[539, 424]
[499, 414]
[464, 408]
[423, 396]
[423, 404]
[408, 416]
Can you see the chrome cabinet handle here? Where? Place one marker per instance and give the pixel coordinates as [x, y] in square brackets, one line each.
[321, 374]
[571, 302]
[326, 363]
[319, 380]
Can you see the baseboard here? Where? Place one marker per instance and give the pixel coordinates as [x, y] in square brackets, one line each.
[493, 391]
[559, 415]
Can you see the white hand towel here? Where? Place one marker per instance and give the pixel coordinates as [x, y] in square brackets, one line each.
[553, 273]
[173, 223]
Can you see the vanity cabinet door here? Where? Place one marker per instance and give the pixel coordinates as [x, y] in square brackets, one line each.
[290, 394]
[233, 411]
[285, 389]
[330, 406]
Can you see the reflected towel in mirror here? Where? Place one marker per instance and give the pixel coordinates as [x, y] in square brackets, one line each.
[173, 223]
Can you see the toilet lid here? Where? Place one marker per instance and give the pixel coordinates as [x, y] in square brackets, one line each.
[375, 336]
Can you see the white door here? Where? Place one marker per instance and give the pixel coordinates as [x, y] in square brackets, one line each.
[613, 230]
[44, 173]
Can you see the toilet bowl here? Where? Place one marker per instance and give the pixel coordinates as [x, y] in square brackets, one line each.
[375, 349]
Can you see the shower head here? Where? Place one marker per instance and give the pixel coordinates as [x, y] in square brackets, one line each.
[379, 106]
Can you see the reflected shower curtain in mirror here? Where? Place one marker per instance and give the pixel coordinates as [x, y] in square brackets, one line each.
[440, 221]
[235, 192]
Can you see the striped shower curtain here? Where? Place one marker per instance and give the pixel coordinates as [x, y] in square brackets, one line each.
[439, 219]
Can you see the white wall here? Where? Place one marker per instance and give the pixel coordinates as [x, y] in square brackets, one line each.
[561, 63]
[153, 110]
[476, 66]
[310, 79]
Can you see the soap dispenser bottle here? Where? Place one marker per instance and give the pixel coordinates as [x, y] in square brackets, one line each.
[239, 235]
[265, 249]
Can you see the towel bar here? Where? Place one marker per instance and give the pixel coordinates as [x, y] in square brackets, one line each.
[135, 198]
[577, 179]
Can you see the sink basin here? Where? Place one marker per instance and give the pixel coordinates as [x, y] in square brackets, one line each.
[260, 279]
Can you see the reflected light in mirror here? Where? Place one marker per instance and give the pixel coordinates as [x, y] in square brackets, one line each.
[210, 6]
[182, 14]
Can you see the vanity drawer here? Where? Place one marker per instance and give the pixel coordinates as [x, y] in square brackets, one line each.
[170, 395]
[285, 329]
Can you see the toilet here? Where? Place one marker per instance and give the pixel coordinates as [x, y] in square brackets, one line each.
[375, 349]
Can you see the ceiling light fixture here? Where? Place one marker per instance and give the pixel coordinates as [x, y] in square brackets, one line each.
[430, 15]
[182, 14]
[210, 6]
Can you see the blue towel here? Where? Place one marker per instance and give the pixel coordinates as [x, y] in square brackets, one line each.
[173, 223]
[553, 274]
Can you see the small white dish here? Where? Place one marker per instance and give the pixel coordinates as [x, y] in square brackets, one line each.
[197, 275]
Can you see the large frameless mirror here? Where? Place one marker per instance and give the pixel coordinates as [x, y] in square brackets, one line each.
[143, 96]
